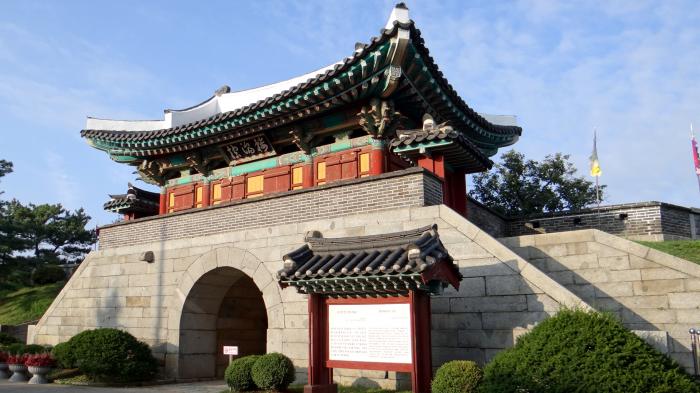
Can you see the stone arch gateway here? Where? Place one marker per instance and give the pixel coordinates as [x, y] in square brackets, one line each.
[219, 302]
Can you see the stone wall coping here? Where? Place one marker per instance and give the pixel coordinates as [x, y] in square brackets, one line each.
[587, 211]
[662, 258]
[607, 239]
[335, 184]
[519, 265]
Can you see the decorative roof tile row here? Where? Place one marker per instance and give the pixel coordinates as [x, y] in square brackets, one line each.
[377, 264]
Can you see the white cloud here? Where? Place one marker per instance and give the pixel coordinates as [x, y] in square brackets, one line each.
[628, 68]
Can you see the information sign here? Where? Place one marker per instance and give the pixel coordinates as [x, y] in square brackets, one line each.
[230, 350]
[375, 333]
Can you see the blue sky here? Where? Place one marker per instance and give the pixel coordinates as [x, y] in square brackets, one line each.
[629, 68]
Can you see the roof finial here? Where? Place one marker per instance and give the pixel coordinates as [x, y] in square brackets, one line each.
[398, 14]
[222, 90]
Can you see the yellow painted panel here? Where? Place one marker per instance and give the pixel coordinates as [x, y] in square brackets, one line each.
[364, 162]
[297, 188]
[255, 184]
[321, 171]
[198, 197]
[217, 191]
[171, 201]
[297, 175]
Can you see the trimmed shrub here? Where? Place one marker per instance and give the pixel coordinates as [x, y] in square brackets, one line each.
[112, 355]
[6, 339]
[273, 371]
[457, 376]
[578, 351]
[63, 353]
[15, 349]
[48, 274]
[33, 349]
[238, 374]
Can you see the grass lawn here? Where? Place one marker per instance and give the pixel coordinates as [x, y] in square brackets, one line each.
[686, 249]
[26, 304]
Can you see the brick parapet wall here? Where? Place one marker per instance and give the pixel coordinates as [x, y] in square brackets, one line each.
[412, 187]
[486, 219]
[643, 221]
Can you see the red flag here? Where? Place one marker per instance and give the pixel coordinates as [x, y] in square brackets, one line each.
[696, 157]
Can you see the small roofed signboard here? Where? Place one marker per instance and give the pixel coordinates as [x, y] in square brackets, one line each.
[376, 335]
[230, 350]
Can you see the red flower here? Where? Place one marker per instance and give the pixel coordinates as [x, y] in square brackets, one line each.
[17, 359]
[40, 360]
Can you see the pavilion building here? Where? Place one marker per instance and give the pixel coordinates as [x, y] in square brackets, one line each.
[385, 108]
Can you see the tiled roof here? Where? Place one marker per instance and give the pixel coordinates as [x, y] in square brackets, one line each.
[255, 117]
[135, 200]
[462, 153]
[379, 264]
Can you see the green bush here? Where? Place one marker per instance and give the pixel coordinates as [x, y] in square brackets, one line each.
[6, 339]
[578, 351]
[238, 374]
[112, 355]
[457, 376]
[35, 348]
[48, 274]
[273, 371]
[63, 353]
[15, 348]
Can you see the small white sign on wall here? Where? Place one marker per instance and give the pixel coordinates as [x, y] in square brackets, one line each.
[230, 350]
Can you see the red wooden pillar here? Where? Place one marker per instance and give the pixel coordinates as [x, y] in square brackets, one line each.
[459, 192]
[421, 346]
[377, 158]
[320, 376]
[307, 180]
[206, 192]
[163, 201]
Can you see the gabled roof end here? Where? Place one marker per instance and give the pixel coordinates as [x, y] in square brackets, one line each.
[399, 14]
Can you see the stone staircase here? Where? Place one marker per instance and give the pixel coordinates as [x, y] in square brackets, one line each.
[654, 294]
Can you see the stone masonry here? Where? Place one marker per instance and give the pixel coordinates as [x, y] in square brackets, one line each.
[648, 290]
[184, 301]
[164, 304]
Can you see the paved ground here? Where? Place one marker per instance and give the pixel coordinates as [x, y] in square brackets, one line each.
[200, 387]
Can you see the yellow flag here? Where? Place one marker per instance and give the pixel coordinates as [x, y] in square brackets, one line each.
[595, 165]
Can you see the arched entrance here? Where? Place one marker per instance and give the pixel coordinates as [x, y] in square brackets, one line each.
[223, 307]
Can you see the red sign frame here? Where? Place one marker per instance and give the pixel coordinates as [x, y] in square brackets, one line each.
[379, 366]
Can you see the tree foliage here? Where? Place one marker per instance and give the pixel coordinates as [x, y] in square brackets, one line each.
[517, 186]
[46, 233]
[5, 168]
[33, 235]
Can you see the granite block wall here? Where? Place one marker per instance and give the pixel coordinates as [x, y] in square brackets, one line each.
[647, 289]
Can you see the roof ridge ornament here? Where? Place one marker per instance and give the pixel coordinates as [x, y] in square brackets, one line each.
[225, 89]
